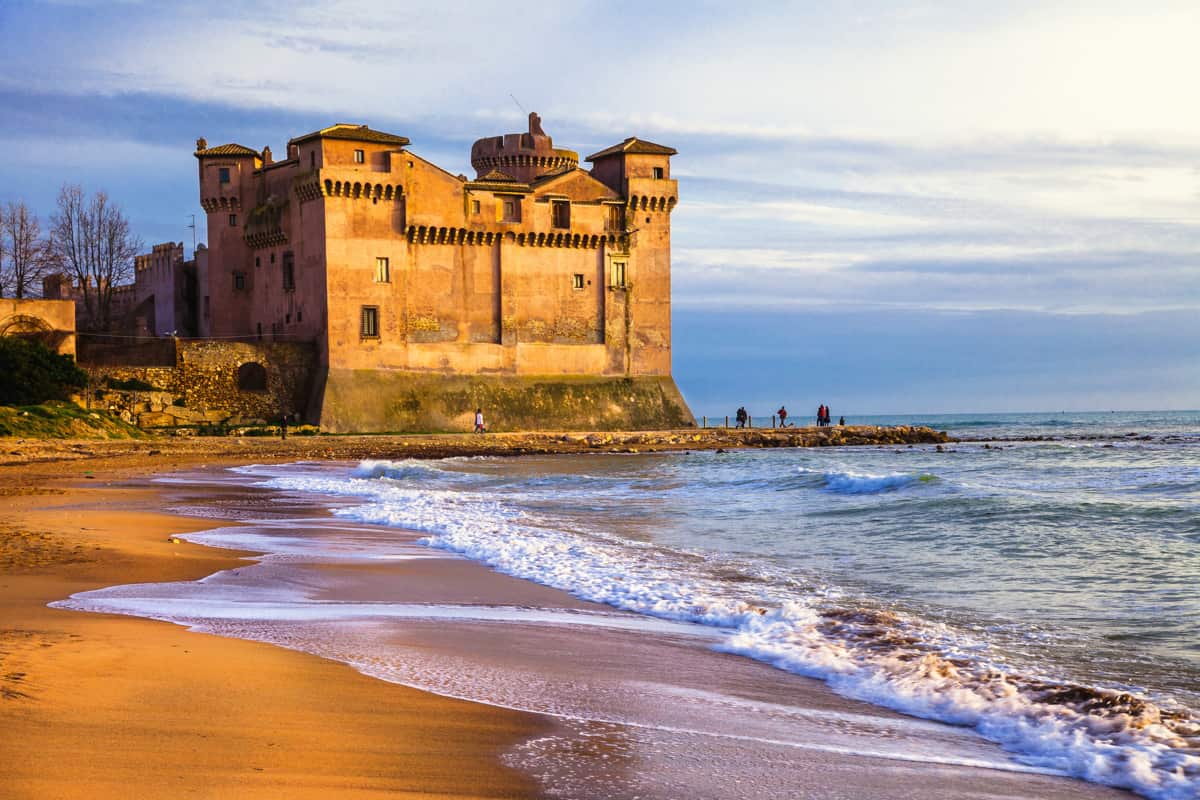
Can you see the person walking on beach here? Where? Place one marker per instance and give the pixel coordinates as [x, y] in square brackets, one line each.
[283, 426]
[479, 421]
[782, 412]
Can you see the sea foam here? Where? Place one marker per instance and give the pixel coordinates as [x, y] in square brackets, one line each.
[871, 654]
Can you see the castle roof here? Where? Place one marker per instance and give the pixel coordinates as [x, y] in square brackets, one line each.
[226, 150]
[634, 146]
[496, 176]
[355, 133]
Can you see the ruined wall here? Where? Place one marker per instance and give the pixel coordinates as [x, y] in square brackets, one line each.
[209, 377]
[385, 401]
[51, 322]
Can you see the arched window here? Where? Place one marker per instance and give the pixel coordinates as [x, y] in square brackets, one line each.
[252, 377]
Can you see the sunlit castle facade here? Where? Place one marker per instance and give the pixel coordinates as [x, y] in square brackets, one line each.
[413, 281]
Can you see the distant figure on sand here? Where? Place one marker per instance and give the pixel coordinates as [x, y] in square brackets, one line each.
[782, 412]
[820, 415]
[841, 422]
[283, 426]
[741, 417]
[479, 421]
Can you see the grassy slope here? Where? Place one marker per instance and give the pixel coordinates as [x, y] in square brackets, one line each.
[63, 421]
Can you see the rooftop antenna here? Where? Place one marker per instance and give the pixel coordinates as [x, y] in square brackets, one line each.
[518, 102]
[193, 227]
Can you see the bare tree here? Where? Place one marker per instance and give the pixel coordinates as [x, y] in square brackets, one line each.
[93, 242]
[28, 253]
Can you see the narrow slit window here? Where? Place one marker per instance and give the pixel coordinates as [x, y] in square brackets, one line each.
[577, 280]
[233, 220]
[370, 322]
[289, 272]
[474, 206]
[383, 271]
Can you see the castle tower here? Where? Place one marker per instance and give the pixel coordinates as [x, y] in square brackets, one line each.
[524, 156]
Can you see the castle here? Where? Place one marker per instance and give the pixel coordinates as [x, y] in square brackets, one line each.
[538, 290]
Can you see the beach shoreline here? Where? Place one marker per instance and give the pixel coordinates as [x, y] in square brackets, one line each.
[241, 710]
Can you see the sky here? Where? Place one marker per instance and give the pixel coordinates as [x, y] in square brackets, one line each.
[887, 207]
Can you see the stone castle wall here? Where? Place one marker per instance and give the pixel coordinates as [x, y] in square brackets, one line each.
[216, 381]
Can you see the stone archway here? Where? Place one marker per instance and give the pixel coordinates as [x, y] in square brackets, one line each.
[252, 377]
[34, 328]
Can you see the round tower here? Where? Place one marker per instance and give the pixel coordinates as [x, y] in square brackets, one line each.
[524, 156]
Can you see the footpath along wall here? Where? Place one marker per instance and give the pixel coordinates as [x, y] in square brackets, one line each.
[210, 382]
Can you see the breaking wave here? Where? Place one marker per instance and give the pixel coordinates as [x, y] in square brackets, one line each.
[1111, 737]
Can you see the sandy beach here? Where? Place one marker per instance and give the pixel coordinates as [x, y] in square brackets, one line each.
[98, 705]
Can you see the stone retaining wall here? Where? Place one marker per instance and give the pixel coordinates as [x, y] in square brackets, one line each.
[205, 380]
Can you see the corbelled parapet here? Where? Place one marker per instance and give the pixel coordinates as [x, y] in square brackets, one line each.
[523, 156]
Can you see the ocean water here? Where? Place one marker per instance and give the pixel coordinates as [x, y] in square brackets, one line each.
[1037, 589]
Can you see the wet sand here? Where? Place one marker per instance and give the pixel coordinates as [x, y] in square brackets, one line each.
[95, 705]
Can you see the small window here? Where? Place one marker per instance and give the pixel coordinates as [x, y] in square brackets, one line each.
[272, 258]
[206, 306]
[289, 272]
[561, 212]
[577, 281]
[618, 274]
[370, 322]
[616, 218]
[239, 281]
[659, 173]
[299, 316]
[512, 209]
[359, 157]
[383, 271]
[312, 159]
[474, 206]
[233, 220]
[223, 174]
[257, 261]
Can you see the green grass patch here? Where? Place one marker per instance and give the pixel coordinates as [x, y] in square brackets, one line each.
[64, 420]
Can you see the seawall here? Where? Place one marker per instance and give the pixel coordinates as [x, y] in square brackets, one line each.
[379, 401]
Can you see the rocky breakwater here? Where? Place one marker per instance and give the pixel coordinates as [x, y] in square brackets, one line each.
[721, 438]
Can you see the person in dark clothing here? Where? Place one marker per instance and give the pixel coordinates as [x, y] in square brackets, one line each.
[782, 412]
[283, 422]
[741, 417]
[841, 422]
[820, 415]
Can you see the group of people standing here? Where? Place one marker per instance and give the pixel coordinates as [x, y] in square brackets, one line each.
[823, 418]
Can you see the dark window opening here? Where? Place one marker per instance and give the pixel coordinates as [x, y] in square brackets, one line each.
[206, 306]
[223, 174]
[561, 212]
[659, 173]
[252, 377]
[272, 258]
[512, 209]
[299, 316]
[239, 281]
[233, 220]
[289, 272]
[577, 281]
[287, 318]
[312, 159]
[474, 206]
[370, 322]
[257, 261]
[359, 157]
